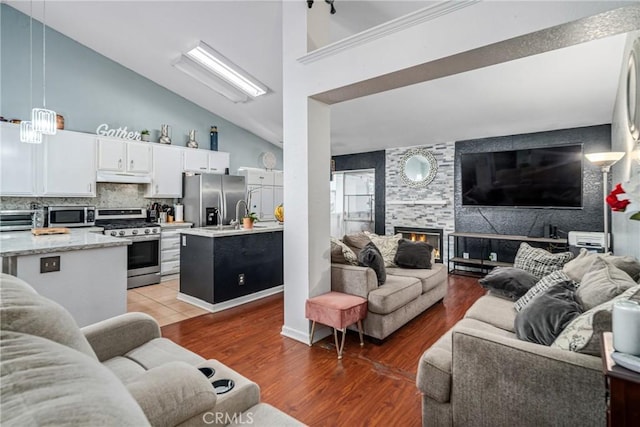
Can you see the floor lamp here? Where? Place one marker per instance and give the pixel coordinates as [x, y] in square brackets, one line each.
[605, 161]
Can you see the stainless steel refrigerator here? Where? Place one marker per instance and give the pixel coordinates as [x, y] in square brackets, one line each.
[211, 199]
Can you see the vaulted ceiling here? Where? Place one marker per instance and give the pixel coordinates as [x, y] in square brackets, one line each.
[574, 86]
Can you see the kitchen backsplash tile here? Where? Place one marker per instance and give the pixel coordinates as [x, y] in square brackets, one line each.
[107, 195]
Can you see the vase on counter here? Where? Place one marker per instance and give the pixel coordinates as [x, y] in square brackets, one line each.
[213, 133]
[192, 143]
[164, 134]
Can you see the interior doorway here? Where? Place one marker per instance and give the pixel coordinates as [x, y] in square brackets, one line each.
[352, 202]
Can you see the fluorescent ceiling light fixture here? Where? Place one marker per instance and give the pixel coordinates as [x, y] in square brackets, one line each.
[227, 70]
[195, 70]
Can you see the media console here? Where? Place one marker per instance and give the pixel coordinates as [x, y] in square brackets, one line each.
[483, 263]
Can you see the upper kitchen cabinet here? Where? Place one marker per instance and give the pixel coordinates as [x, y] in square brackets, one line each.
[17, 161]
[124, 156]
[166, 172]
[198, 160]
[69, 165]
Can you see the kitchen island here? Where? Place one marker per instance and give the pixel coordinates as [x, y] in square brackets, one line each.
[83, 271]
[223, 268]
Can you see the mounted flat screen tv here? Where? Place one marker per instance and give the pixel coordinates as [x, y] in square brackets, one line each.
[531, 178]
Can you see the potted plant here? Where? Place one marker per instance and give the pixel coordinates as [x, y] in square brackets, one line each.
[144, 135]
[249, 219]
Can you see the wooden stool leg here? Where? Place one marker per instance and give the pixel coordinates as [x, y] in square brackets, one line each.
[313, 326]
[360, 333]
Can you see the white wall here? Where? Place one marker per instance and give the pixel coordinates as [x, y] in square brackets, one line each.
[626, 232]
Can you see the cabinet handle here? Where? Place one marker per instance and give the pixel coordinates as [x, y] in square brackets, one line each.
[156, 188]
[214, 169]
[203, 168]
[119, 163]
[131, 164]
[89, 187]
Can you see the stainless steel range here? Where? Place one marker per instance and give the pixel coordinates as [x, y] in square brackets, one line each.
[143, 255]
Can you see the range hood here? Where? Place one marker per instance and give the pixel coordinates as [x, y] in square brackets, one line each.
[123, 178]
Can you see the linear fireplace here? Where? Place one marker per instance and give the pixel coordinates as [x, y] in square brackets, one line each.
[432, 236]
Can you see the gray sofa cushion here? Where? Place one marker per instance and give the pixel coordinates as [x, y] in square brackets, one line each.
[603, 282]
[430, 278]
[371, 257]
[413, 254]
[542, 320]
[495, 311]
[124, 368]
[509, 282]
[22, 309]
[356, 241]
[396, 292]
[545, 283]
[46, 383]
[540, 262]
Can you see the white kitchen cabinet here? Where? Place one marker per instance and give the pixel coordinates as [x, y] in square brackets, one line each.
[166, 172]
[17, 163]
[264, 188]
[69, 165]
[196, 160]
[124, 156]
[170, 247]
[218, 162]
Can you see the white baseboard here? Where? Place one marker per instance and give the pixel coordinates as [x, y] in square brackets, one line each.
[214, 308]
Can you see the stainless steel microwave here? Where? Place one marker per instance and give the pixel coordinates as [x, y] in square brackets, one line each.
[71, 216]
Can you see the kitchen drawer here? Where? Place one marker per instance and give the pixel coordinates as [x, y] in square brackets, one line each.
[172, 255]
[170, 244]
[168, 234]
[171, 267]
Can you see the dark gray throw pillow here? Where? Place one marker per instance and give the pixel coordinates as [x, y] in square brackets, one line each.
[546, 316]
[370, 256]
[413, 254]
[508, 282]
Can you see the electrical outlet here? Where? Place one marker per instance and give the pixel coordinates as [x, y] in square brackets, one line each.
[493, 256]
[465, 255]
[49, 264]
[240, 279]
[184, 240]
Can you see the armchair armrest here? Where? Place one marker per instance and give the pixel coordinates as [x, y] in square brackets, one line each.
[503, 381]
[172, 393]
[118, 335]
[353, 279]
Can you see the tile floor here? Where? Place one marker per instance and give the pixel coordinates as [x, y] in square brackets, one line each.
[160, 302]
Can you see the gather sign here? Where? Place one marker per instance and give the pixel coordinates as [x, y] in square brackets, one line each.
[121, 132]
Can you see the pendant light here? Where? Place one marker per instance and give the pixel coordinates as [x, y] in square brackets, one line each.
[44, 120]
[27, 133]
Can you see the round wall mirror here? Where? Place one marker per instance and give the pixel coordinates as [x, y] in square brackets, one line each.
[418, 168]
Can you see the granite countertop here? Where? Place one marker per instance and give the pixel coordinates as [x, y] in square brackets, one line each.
[215, 232]
[175, 224]
[16, 243]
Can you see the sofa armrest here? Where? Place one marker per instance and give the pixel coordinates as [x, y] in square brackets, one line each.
[119, 335]
[501, 380]
[353, 279]
[172, 393]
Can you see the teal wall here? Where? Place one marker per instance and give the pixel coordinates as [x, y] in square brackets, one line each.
[89, 89]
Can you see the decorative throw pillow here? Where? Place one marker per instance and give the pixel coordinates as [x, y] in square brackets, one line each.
[371, 257]
[580, 265]
[628, 264]
[603, 282]
[388, 246]
[582, 335]
[413, 254]
[546, 316]
[508, 282]
[356, 241]
[539, 262]
[545, 283]
[341, 253]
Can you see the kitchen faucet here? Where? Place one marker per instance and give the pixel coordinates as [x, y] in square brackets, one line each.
[237, 208]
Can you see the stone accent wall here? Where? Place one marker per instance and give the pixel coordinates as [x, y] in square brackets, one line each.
[441, 188]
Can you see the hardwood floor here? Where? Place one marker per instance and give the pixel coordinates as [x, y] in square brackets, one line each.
[372, 385]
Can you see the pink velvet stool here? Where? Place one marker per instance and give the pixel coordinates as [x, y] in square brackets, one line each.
[337, 310]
